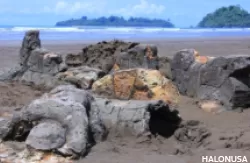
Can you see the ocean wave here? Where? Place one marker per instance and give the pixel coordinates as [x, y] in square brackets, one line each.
[121, 29]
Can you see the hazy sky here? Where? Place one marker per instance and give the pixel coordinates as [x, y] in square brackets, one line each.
[47, 12]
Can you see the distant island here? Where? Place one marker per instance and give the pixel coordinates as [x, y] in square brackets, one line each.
[116, 22]
[226, 17]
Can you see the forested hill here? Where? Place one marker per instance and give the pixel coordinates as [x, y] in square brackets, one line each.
[117, 22]
[226, 17]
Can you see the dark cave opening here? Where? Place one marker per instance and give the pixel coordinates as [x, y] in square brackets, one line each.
[163, 121]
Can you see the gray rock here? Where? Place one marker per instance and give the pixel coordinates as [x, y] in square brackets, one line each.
[165, 67]
[46, 136]
[5, 127]
[82, 77]
[224, 79]
[140, 56]
[138, 117]
[71, 109]
[31, 41]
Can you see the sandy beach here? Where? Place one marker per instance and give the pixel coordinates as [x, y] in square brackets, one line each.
[166, 47]
[124, 150]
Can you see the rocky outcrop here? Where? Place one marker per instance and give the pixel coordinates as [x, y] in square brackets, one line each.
[73, 125]
[100, 55]
[69, 120]
[119, 55]
[137, 84]
[224, 79]
[31, 41]
[82, 77]
[138, 117]
[42, 66]
[44, 69]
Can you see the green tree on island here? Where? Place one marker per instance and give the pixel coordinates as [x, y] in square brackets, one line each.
[226, 17]
[117, 22]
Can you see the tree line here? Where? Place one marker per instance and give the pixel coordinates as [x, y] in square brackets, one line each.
[225, 17]
[117, 21]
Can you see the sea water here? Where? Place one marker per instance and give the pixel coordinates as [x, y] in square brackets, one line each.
[104, 33]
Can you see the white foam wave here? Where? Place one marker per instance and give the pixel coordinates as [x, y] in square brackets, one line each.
[47, 29]
[121, 29]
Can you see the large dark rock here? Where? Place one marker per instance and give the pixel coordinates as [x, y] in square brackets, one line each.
[82, 76]
[31, 41]
[70, 109]
[224, 79]
[102, 55]
[138, 117]
[70, 120]
[45, 69]
[119, 55]
[46, 136]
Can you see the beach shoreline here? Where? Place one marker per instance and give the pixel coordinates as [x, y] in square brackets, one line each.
[220, 46]
[130, 149]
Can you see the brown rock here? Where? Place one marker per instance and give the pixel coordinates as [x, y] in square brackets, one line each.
[138, 84]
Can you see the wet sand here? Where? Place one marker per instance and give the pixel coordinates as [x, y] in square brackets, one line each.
[206, 46]
[230, 130]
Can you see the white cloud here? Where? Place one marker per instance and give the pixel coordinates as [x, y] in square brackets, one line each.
[143, 8]
[63, 7]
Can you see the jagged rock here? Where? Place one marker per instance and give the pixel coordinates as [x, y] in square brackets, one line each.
[46, 70]
[141, 56]
[8, 74]
[5, 127]
[31, 41]
[102, 55]
[138, 117]
[71, 108]
[116, 55]
[138, 84]
[42, 65]
[46, 136]
[74, 60]
[165, 67]
[37, 65]
[83, 76]
[44, 61]
[224, 79]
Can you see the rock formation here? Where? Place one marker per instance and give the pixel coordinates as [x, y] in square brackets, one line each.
[31, 41]
[45, 69]
[224, 79]
[137, 84]
[119, 55]
[138, 117]
[70, 120]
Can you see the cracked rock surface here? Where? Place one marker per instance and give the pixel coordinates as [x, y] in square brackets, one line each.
[224, 79]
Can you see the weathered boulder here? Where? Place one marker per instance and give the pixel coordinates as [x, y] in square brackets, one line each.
[37, 65]
[46, 136]
[42, 66]
[70, 109]
[74, 60]
[140, 56]
[101, 55]
[165, 67]
[31, 41]
[82, 77]
[5, 127]
[118, 55]
[224, 79]
[138, 117]
[137, 84]
[44, 69]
